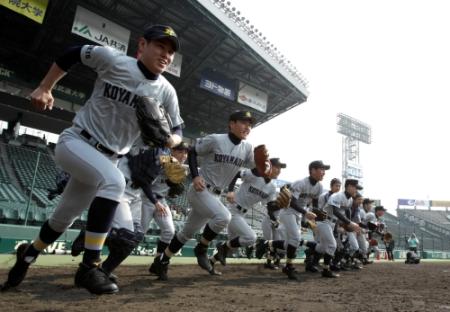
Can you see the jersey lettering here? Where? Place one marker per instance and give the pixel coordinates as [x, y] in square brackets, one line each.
[255, 191]
[228, 159]
[119, 94]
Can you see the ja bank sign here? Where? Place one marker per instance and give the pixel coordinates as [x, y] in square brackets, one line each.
[100, 30]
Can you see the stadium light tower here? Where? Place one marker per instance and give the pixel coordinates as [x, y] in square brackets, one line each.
[353, 131]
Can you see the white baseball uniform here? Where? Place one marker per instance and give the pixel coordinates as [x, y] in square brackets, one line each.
[219, 160]
[108, 118]
[254, 189]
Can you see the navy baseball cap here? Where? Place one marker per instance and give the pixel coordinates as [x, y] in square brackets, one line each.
[318, 164]
[156, 32]
[277, 163]
[378, 208]
[368, 201]
[354, 183]
[242, 115]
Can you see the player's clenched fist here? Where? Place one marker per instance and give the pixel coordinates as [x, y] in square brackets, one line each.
[42, 99]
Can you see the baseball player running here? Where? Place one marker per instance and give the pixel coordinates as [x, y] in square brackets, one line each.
[362, 236]
[103, 130]
[375, 226]
[254, 189]
[272, 229]
[335, 186]
[220, 157]
[352, 237]
[305, 192]
[128, 226]
[335, 209]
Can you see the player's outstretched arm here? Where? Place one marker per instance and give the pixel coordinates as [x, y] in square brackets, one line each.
[41, 97]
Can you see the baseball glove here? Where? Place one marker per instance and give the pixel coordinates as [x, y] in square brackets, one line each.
[262, 162]
[284, 198]
[173, 169]
[153, 121]
[175, 189]
[387, 236]
[320, 214]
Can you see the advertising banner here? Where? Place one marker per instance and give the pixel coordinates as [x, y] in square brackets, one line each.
[252, 97]
[33, 9]
[218, 84]
[100, 30]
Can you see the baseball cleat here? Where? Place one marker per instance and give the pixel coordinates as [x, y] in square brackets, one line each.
[329, 274]
[95, 280]
[311, 268]
[152, 269]
[249, 252]
[261, 249]
[18, 272]
[221, 254]
[270, 266]
[335, 268]
[159, 268]
[290, 271]
[78, 244]
[213, 270]
[201, 252]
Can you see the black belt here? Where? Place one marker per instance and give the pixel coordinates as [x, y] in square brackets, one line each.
[159, 196]
[98, 146]
[242, 209]
[214, 189]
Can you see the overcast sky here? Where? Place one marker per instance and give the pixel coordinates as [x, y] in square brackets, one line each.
[385, 63]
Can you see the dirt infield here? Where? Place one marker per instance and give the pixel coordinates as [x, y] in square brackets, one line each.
[378, 287]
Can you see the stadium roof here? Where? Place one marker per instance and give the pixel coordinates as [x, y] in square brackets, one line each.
[217, 44]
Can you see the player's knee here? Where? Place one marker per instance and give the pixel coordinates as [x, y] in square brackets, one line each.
[112, 187]
[221, 220]
[250, 239]
[331, 248]
[59, 225]
[167, 234]
[183, 237]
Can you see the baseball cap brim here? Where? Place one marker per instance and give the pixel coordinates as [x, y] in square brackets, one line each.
[277, 163]
[173, 40]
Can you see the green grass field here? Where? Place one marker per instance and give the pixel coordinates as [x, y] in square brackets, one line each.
[6, 261]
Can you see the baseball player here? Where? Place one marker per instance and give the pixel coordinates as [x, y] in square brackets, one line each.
[362, 236]
[272, 229]
[254, 189]
[305, 192]
[102, 131]
[335, 210]
[375, 226]
[335, 186]
[352, 240]
[128, 225]
[220, 157]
